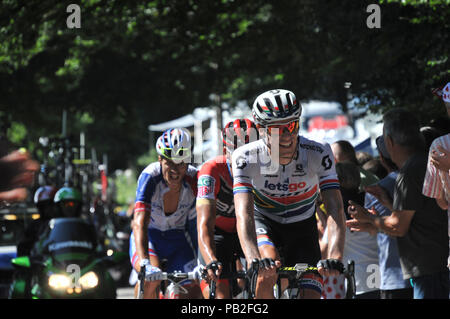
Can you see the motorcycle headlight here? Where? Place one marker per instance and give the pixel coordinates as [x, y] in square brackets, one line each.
[58, 281]
[89, 280]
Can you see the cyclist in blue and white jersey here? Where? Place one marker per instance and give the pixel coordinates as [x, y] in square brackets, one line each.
[165, 225]
[276, 182]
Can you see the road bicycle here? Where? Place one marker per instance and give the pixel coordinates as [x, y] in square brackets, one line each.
[295, 273]
[173, 289]
[292, 274]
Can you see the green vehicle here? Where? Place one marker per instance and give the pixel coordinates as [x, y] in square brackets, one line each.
[66, 263]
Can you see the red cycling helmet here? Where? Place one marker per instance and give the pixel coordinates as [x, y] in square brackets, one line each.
[239, 132]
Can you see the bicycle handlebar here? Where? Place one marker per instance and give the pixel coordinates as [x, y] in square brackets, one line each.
[292, 273]
[174, 277]
[178, 276]
[284, 272]
[299, 269]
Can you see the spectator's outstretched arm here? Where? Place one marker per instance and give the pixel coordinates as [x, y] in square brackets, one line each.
[381, 195]
[17, 172]
[397, 224]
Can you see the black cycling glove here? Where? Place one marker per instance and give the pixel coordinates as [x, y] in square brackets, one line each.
[213, 265]
[260, 263]
[331, 264]
[252, 272]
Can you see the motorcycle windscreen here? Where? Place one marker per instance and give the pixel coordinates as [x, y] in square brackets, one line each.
[71, 239]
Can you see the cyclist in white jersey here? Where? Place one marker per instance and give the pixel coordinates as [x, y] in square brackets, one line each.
[165, 223]
[276, 182]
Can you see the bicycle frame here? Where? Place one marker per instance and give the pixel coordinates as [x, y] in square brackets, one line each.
[250, 282]
[293, 274]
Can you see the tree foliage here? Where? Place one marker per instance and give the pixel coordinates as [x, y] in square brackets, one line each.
[134, 63]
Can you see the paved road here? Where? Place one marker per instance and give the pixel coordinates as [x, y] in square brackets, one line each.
[125, 293]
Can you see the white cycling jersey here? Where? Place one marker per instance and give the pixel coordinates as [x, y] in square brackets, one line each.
[150, 193]
[284, 193]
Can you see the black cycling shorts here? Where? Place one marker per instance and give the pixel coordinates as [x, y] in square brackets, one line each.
[228, 249]
[295, 242]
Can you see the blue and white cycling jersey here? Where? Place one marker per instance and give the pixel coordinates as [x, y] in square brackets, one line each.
[178, 229]
[149, 197]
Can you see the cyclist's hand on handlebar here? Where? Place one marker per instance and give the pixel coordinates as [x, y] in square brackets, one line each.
[213, 270]
[152, 273]
[330, 267]
[199, 272]
[266, 267]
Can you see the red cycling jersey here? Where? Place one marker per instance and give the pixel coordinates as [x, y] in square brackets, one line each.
[216, 183]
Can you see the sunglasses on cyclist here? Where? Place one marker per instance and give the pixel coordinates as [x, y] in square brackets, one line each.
[291, 127]
[179, 153]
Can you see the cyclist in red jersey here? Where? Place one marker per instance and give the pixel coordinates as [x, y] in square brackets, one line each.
[216, 221]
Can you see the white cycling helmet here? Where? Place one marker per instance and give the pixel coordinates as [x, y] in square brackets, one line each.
[174, 144]
[274, 106]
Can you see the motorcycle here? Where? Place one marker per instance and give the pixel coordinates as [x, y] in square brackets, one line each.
[66, 263]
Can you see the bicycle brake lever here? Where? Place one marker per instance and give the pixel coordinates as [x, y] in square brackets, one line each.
[212, 290]
[255, 264]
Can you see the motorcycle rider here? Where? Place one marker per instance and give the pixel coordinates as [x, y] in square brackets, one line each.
[68, 202]
[43, 199]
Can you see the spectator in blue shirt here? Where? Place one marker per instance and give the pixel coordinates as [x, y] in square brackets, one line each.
[393, 286]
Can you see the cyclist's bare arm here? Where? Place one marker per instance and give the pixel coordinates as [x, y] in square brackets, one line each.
[206, 219]
[332, 200]
[140, 226]
[245, 223]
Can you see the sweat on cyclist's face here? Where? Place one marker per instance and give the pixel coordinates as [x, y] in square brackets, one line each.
[285, 134]
[173, 173]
